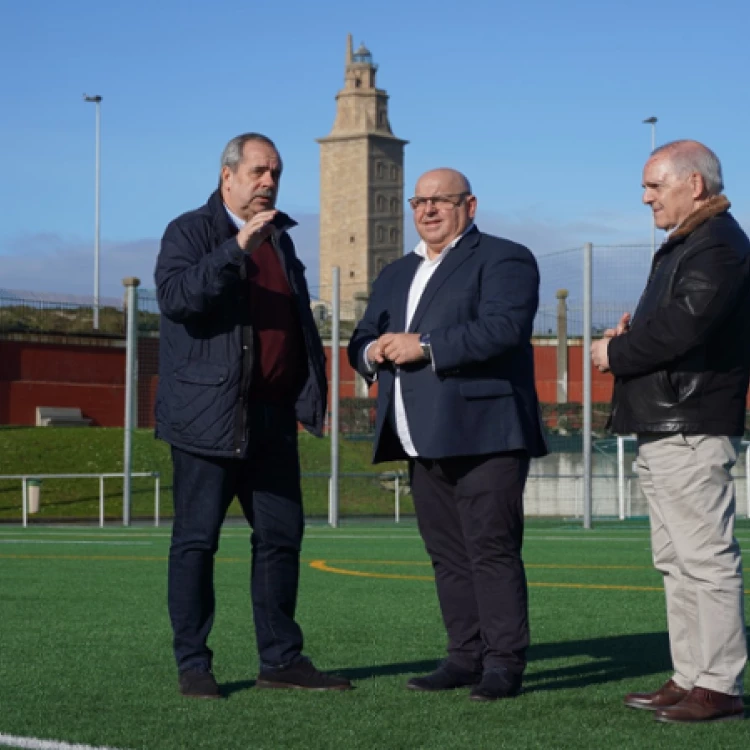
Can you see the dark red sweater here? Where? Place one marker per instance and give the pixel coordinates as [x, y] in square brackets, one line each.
[280, 362]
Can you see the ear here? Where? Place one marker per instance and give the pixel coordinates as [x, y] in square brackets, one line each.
[471, 204]
[225, 172]
[698, 185]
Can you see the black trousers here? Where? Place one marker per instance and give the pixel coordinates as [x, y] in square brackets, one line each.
[267, 485]
[470, 515]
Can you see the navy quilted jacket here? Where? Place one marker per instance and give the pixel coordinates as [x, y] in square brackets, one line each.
[206, 343]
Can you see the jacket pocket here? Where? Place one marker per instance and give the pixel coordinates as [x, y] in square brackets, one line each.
[485, 389]
[197, 372]
[667, 388]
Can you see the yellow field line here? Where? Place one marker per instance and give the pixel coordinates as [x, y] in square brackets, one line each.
[324, 566]
[143, 558]
[550, 566]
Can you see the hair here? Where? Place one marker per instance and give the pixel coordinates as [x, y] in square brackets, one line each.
[231, 156]
[688, 157]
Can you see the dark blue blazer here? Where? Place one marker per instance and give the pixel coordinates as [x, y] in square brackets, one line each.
[478, 395]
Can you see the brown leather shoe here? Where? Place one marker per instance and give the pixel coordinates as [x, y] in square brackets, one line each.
[669, 694]
[701, 704]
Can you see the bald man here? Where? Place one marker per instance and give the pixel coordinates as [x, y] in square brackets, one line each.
[681, 370]
[447, 335]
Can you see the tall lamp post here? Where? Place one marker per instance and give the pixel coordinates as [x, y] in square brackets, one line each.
[98, 101]
[652, 122]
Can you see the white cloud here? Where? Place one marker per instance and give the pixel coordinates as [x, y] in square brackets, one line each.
[48, 262]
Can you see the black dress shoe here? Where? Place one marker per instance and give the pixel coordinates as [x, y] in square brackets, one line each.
[446, 677]
[496, 683]
[301, 675]
[198, 683]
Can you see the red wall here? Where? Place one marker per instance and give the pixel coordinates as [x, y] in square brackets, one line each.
[545, 364]
[64, 373]
[90, 374]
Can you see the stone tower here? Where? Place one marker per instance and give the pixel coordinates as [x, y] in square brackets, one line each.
[361, 185]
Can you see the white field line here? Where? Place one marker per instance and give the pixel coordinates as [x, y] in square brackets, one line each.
[328, 537]
[34, 743]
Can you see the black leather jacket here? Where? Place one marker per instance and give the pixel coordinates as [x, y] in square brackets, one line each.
[684, 364]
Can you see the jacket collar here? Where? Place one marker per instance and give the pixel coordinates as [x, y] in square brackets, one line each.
[715, 205]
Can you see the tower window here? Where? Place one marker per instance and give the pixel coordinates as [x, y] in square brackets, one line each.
[351, 239]
[357, 83]
[379, 169]
[394, 235]
[380, 203]
[351, 274]
[394, 172]
[380, 234]
[394, 206]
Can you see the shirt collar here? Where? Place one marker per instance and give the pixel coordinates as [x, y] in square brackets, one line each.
[421, 248]
[239, 223]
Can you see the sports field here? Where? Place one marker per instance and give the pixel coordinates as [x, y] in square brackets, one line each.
[85, 656]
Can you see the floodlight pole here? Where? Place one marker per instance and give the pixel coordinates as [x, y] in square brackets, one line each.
[333, 489]
[131, 285]
[97, 100]
[652, 122]
[587, 390]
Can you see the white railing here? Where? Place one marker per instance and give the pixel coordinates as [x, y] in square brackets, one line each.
[101, 477]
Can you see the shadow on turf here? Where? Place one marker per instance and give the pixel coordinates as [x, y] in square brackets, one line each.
[354, 673]
[598, 661]
[611, 659]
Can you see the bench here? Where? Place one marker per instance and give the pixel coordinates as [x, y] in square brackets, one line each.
[60, 416]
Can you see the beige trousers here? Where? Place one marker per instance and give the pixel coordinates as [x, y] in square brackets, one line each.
[690, 490]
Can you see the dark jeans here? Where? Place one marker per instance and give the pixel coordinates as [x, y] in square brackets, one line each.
[267, 484]
[470, 515]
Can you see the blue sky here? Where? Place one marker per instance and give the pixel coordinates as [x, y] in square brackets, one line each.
[539, 102]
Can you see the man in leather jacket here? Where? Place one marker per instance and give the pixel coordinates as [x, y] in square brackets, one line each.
[681, 370]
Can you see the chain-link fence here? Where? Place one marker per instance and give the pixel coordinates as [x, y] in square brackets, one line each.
[35, 312]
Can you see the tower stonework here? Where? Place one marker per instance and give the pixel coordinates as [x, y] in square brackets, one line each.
[361, 185]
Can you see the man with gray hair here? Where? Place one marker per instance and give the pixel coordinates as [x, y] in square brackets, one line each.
[240, 363]
[681, 370]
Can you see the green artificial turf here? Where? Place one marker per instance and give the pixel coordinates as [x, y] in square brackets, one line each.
[67, 450]
[86, 654]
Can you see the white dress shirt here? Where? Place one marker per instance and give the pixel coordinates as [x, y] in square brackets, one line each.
[239, 223]
[424, 273]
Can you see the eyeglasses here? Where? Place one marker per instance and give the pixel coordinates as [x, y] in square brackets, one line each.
[450, 200]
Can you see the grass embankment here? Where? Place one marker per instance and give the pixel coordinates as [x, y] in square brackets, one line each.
[89, 450]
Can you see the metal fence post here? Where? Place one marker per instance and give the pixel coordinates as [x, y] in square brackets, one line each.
[621, 475]
[157, 497]
[131, 285]
[101, 500]
[587, 500]
[333, 491]
[397, 499]
[24, 502]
